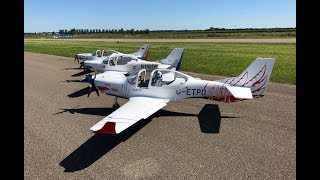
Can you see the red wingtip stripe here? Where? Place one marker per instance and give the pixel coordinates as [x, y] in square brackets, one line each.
[108, 128]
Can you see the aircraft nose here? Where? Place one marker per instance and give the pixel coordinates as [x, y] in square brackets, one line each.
[89, 64]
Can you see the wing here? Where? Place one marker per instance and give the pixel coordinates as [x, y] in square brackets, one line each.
[113, 73]
[135, 109]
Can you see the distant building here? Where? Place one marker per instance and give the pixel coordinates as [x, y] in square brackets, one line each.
[63, 36]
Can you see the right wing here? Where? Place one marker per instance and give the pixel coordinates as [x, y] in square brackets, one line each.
[135, 109]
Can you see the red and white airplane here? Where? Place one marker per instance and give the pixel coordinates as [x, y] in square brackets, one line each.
[154, 91]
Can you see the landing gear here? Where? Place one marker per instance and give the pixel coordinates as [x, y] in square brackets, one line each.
[116, 106]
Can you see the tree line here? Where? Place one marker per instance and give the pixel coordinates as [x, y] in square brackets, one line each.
[103, 31]
[132, 31]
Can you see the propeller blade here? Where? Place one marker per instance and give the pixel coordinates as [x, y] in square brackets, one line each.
[97, 91]
[76, 57]
[90, 90]
[72, 81]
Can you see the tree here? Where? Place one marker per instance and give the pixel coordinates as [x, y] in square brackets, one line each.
[72, 31]
[132, 31]
[211, 29]
[61, 31]
[146, 31]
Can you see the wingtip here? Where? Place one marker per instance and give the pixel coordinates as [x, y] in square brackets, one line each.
[108, 128]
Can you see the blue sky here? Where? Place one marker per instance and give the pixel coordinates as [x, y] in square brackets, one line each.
[40, 15]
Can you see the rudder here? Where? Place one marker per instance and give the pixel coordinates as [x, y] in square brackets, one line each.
[256, 76]
[143, 52]
[174, 58]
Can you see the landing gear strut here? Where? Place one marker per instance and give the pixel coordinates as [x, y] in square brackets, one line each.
[116, 105]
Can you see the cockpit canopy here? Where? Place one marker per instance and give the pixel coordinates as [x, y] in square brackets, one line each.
[109, 52]
[104, 53]
[157, 78]
[121, 59]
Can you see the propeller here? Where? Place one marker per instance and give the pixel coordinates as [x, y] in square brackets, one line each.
[87, 79]
[76, 57]
[92, 87]
[71, 81]
[82, 66]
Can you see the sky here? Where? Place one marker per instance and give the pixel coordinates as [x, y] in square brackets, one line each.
[48, 16]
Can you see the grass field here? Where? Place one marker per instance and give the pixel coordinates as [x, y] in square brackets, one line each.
[226, 59]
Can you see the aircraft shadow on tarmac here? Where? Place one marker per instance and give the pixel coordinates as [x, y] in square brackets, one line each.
[83, 72]
[80, 92]
[100, 144]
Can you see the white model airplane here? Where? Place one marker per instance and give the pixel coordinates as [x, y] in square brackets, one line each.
[165, 85]
[142, 53]
[128, 63]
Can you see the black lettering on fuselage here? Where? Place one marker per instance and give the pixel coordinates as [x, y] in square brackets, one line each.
[196, 92]
[149, 66]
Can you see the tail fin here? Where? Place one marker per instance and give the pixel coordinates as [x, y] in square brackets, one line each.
[174, 58]
[255, 77]
[143, 52]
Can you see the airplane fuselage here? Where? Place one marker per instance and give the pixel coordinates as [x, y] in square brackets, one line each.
[193, 88]
[130, 67]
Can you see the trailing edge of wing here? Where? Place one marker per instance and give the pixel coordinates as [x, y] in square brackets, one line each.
[135, 109]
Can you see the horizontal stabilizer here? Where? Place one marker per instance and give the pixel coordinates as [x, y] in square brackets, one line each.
[163, 66]
[240, 92]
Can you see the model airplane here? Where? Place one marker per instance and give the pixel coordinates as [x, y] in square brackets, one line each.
[142, 53]
[128, 63]
[154, 92]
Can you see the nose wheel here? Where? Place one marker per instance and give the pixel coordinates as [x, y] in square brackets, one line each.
[116, 104]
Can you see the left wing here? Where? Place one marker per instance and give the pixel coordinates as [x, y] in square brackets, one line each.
[135, 109]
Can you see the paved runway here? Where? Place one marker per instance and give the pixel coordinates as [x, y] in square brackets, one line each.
[256, 140]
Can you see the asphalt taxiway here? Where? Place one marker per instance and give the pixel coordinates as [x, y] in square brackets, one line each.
[185, 140]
